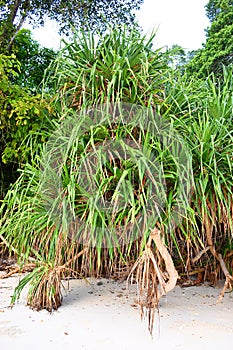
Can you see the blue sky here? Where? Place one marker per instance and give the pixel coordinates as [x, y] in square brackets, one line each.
[181, 22]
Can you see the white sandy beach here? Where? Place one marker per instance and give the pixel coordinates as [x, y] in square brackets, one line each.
[105, 316]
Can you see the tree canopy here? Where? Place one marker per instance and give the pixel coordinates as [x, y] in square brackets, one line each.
[218, 49]
[33, 58]
[215, 7]
[92, 14]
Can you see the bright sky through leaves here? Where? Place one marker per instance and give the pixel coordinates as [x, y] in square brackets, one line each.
[181, 22]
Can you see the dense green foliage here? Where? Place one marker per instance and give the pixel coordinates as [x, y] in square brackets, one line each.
[218, 49]
[21, 115]
[33, 59]
[116, 62]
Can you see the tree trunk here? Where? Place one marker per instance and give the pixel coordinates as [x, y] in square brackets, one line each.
[10, 28]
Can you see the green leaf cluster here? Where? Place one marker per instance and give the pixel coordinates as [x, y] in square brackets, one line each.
[33, 58]
[218, 49]
[21, 113]
[119, 65]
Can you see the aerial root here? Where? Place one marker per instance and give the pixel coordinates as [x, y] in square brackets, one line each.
[152, 281]
[229, 279]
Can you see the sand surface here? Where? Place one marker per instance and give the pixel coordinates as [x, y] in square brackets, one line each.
[102, 314]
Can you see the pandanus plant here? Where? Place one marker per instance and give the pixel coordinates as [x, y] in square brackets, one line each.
[89, 200]
[134, 172]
